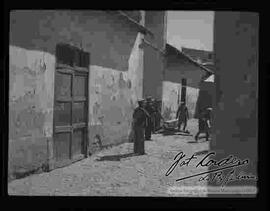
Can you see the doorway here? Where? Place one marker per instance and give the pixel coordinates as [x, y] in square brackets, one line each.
[70, 104]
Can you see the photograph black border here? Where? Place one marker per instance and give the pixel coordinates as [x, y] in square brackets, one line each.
[147, 203]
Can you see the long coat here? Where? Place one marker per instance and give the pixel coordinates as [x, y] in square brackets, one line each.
[139, 124]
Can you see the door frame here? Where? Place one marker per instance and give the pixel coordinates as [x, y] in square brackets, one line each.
[72, 70]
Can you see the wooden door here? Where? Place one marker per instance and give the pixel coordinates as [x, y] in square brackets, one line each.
[71, 105]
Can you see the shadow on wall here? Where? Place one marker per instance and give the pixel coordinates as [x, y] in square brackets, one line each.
[107, 36]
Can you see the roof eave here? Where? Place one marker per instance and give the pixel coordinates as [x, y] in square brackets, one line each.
[141, 28]
[191, 60]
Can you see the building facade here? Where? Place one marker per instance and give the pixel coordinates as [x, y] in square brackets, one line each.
[75, 77]
[236, 79]
[201, 56]
[154, 47]
[206, 58]
[182, 78]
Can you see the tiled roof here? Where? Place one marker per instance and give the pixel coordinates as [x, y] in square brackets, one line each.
[172, 49]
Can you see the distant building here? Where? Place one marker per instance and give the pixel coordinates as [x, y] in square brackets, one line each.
[205, 58]
[210, 66]
[201, 56]
[182, 79]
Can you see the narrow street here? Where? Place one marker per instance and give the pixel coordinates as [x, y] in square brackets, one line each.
[83, 84]
[116, 172]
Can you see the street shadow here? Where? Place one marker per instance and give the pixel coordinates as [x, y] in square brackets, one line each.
[203, 137]
[116, 157]
[183, 134]
[169, 133]
[193, 142]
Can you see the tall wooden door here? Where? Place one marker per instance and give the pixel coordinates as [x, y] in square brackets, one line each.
[71, 104]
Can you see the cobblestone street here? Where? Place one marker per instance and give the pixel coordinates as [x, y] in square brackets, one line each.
[116, 172]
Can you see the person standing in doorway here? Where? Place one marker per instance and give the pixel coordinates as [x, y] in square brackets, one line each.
[140, 116]
[182, 116]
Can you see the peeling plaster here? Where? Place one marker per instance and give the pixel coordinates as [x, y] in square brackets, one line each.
[115, 78]
[171, 93]
[30, 105]
[113, 95]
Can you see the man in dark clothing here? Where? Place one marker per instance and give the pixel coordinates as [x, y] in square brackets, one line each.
[139, 123]
[204, 123]
[182, 116]
[149, 108]
[157, 116]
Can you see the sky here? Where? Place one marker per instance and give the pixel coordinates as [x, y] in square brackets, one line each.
[191, 29]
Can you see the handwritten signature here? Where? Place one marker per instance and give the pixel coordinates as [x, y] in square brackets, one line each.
[221, 165]
[223, 179]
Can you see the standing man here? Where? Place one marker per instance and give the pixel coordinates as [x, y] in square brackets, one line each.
[182, 116]
[139, 123]
[149, 108]
[153, 116]
[157, 115]
[204, 123]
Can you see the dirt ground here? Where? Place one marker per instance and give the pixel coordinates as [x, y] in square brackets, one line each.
[117, 172]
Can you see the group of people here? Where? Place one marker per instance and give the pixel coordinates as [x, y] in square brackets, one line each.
[147, 116]
[205, 120]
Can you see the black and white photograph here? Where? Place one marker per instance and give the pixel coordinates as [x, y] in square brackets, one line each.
[133, 103]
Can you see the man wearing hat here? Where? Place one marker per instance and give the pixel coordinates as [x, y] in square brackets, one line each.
[182, 116]
[149, 108]
[140, 116]
[158, 115]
